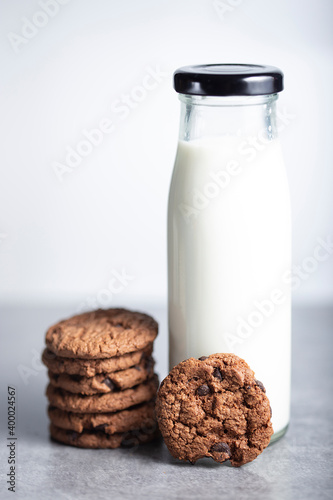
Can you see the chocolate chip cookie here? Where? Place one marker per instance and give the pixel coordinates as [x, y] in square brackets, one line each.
[104, 382]
[91, 367]
[214, 407]
[101, 403]
[98, 439]
[138, 416]
[101, 334]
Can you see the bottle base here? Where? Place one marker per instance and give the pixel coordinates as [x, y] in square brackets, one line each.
[278, 435]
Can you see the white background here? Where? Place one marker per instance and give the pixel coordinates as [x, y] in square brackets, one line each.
[63, 241]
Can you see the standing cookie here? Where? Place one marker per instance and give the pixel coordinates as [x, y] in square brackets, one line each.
[214, 407]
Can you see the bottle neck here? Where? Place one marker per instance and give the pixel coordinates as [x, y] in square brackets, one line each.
[241, 116]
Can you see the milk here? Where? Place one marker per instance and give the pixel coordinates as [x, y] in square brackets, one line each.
[229, 241]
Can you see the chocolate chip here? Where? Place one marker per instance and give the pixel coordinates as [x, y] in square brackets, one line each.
[100, 427]
[217, 373]
[221, 448]
[260, 385]
[137, 368]
[51, 355]
[129, 442]
[203, 358]
[203, 390]
[107, 381]
[149, 364]
[73, 435]
[130, 439]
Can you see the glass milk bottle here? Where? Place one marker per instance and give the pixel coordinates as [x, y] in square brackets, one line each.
[229, 226]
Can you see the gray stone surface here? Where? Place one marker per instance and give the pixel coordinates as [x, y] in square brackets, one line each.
[299, 466]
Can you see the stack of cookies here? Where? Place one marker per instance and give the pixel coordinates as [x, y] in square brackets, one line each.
[102, 383]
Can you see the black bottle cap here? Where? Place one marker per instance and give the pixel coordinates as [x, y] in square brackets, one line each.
[228, 80]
